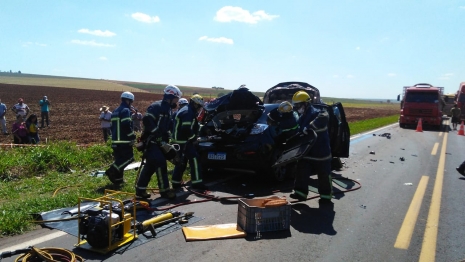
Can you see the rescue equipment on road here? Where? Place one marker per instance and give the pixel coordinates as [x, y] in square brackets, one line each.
[419, 126]
[461, 130]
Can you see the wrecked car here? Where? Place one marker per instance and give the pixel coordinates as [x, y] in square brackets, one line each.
[235, 135]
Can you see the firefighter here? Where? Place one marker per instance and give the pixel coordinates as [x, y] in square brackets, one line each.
[318, 159]
[284, 121]
[155, 135]
[185, 132]
[123, 138]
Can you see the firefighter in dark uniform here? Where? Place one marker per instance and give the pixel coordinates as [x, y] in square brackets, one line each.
[318, 159]
[185, 132]
[155, 135]
[284, 122]
[123, 138]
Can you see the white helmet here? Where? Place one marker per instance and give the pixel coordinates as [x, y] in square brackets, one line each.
[183, 101]
[172, 90]
[127, 95]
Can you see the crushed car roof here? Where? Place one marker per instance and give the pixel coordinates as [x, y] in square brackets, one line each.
[285, 90]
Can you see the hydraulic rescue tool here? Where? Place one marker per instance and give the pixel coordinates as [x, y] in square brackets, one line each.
[106, 226]
[106, 223]
[151, 224]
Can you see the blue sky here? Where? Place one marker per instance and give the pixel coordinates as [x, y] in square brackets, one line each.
[346, 48]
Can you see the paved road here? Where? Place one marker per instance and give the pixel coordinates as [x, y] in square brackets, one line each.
[409, 210]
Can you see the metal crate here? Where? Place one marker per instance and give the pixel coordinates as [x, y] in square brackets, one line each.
[252, 217]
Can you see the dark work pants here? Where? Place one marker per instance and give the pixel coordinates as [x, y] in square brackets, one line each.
[44, 116]
[188, 153]
[306, 168]
[106, 133]
[123, 156]
[155, 162]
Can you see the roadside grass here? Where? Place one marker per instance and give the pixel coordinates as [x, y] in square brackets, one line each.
[370, 124]
[40, 179]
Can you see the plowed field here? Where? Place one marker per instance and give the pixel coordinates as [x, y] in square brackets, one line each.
[74, 113]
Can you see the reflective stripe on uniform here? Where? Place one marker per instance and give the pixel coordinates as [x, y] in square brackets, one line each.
[196, 176]
[160, 181]
[300, 193]
[292, 128]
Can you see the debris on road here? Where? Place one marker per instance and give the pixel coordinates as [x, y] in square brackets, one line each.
[372, 152]
[402, 158]
[408, 184]
[391, 162]
[387, 135]
[363, 206]
[373, 160]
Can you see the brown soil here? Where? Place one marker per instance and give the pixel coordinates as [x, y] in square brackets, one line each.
[74, 112]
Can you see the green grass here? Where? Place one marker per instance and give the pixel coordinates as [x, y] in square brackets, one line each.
[30, 176]
[370, 124]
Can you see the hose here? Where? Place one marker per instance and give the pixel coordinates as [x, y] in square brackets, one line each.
[49, 254]
[208, 197]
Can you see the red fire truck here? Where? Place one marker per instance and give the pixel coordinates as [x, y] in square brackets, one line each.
[421, 101]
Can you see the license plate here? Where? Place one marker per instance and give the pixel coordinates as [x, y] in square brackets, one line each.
[217, 156]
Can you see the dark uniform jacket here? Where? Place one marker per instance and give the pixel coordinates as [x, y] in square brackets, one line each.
[317, 118]
[157, 122]
[122, 132]
[185, 125]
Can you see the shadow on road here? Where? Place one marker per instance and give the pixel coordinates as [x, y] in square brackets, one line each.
[313, 220]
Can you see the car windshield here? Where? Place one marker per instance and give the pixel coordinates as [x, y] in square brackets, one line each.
[422, 97]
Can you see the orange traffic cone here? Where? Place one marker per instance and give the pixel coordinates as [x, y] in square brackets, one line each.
[419, 126]
[461, 131]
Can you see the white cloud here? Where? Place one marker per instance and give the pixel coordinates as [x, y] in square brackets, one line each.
[462, 7]
[335, 76]
[141, 17]
[222, 40]
[350, 76]
[391, 74]
[91, 43]
[446, 76]
[105, 33]
[357, 48]
[233, 13]
[28, 44]
[103, 58]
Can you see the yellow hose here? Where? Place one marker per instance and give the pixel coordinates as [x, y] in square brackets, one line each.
[49, 254]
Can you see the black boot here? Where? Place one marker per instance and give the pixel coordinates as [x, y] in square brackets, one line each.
[169, 194]
[112, 173]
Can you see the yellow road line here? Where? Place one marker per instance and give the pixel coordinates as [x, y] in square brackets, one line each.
[440, 133]
[435, 149]
[428, 248]
[406, 230]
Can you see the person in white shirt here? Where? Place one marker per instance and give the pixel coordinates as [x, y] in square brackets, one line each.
[21, 108]
[105, 122]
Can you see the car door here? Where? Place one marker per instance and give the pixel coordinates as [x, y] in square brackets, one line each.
[339, 131]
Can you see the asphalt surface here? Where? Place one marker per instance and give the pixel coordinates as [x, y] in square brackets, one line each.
[406, 210]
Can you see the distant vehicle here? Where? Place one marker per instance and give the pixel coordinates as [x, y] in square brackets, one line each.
[449, 100]
[421, 101]
[235, 135]
[461, 99]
